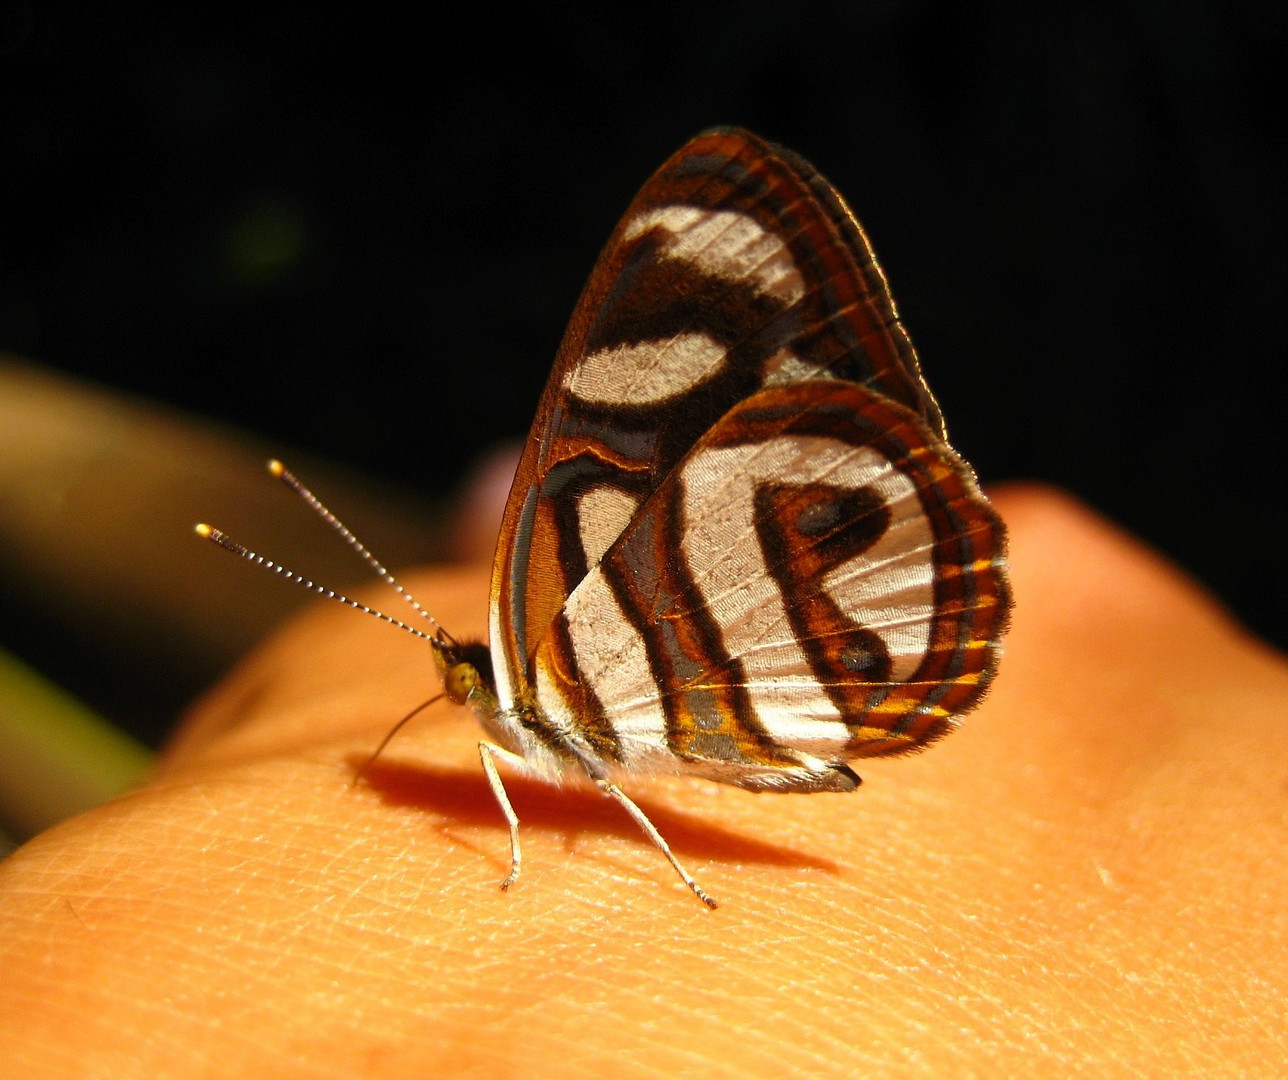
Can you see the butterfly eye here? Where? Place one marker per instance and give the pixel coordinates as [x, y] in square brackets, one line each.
[460, 681]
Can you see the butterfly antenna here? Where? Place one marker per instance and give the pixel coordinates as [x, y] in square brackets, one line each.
[292, 481]
[215, 536]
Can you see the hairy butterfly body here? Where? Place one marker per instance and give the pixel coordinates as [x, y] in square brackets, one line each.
[738, 544]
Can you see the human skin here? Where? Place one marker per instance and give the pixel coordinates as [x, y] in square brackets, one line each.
[1087, 879]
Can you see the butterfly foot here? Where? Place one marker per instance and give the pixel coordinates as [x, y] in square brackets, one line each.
[515, 862]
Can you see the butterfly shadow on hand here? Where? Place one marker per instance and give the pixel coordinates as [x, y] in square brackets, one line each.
[464, 797]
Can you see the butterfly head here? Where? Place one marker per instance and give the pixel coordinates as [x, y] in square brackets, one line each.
[466, 670]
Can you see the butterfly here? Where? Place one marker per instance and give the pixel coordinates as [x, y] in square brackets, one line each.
[738, 545]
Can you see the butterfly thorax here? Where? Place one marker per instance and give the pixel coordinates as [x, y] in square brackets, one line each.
[520, 726]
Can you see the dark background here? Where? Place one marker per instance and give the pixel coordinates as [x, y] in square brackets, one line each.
[362, 233]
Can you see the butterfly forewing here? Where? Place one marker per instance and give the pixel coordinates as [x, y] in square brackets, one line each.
[736, 268]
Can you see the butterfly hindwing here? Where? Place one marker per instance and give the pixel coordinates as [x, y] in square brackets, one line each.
[736, 268]
[817, 580]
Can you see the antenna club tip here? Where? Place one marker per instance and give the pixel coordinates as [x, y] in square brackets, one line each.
[203, 530]
[276, 468]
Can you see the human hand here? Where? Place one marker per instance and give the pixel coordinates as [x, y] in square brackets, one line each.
[1088, 878]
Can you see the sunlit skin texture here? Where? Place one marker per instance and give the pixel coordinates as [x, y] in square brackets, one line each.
[1089, 878]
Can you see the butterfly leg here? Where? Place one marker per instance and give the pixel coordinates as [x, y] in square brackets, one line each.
[623, 800]
[488, 753]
